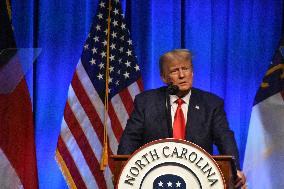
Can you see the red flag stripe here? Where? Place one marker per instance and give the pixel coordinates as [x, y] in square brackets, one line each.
[127, 100]
[115, 124]
[87, 105]
[119, 109]
[86, 125]
[70, 163]
[92, 114]
[78, 157]
[140, 84]
[86, 110]
[84, 145]
[96, 102]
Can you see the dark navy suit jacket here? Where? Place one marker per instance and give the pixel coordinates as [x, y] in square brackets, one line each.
[206, 122]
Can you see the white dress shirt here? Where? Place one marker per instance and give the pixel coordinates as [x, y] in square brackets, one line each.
[184, 106]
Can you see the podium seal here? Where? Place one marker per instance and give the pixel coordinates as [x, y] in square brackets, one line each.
[171, 163]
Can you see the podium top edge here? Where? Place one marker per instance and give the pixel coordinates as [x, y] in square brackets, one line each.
[219, 157]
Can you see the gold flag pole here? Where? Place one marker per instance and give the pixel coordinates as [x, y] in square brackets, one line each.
[8, 7]
[104, 160]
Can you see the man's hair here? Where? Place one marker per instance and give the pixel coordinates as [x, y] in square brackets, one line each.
[175, 55]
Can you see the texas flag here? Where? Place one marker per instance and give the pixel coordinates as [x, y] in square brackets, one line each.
[263, 163]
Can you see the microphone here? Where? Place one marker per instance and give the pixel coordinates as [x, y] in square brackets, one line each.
[172, 89]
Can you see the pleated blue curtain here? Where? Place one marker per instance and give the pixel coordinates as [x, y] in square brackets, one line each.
[232, 42]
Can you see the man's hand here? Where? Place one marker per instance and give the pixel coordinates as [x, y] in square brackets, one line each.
[241, 180]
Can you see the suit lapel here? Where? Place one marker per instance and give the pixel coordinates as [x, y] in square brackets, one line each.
[164, 110]
[193, 115]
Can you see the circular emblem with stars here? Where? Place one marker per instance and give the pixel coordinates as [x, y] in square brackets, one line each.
[170, 164]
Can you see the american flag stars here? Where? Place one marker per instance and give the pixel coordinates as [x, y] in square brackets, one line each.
[122, 62]
[102, 5]
[115, 23]
[98, 27]
[100, 16]
[96, 38]
[94, 50]
[93, 61]
[85, 108]
[137, 68]
[115, 11]
[112, 46]
[100, 76]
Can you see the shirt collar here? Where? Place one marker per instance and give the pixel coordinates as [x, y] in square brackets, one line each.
[186, 98]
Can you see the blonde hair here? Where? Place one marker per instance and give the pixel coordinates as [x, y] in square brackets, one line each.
[175, 55]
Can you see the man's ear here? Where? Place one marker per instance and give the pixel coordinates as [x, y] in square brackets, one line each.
[164, 78]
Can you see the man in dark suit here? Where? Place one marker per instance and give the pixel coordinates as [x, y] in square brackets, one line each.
[190, 114]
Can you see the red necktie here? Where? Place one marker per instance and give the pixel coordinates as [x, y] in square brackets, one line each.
[179, 121]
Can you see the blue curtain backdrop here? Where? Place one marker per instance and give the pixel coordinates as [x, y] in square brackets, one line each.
[232, 41]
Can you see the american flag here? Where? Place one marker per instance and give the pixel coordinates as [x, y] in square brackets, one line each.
[81, 140]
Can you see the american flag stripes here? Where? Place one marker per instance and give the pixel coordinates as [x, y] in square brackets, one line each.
[80, 144]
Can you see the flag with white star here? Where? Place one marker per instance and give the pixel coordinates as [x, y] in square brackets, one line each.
[169, 181]
[107, 67]
[123, 68]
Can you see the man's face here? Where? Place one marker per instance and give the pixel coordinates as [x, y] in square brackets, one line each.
[179, 73]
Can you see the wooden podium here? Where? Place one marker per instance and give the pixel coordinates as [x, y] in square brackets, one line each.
[226, 164]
